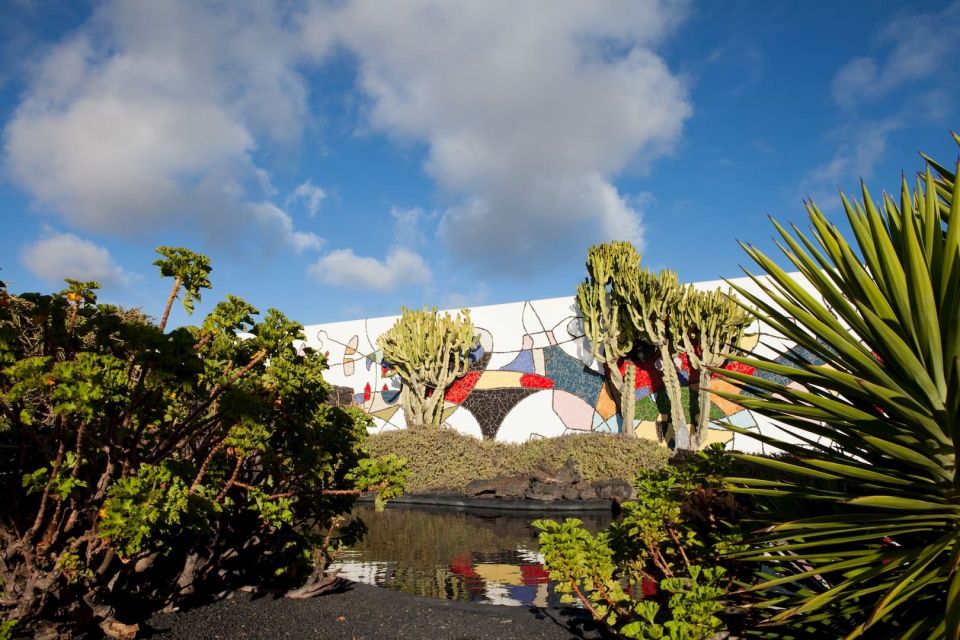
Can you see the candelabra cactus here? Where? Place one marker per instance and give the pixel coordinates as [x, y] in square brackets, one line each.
[652, 303]
[606, 318]
[429, 352]
[709, 325]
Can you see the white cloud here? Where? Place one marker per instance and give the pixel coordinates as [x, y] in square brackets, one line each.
[278, 221]
[528, 113]
[406, 226]
[55, 256]
[343, 268]
[920, 46]
[310, 194]
[150, 115]
[154, 114]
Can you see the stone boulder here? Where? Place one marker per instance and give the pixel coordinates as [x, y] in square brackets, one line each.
[615, 490]
[546, 491]
[507, 487]
[566, 484]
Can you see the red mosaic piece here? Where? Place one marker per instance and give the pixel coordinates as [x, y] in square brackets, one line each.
[459, 390]
[648, 377]
[739, 367]
[534, 381]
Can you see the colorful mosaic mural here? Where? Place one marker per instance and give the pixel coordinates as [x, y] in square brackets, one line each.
[533, 375]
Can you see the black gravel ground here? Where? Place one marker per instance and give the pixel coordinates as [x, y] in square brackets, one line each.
[364, 612]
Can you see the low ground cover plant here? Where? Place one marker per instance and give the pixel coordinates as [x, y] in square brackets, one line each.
[140, 467]
[445, 460]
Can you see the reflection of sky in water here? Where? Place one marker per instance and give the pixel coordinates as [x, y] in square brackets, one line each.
[471, 557]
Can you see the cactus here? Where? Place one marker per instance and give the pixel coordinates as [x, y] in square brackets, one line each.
[606, 321]
[709, 325]
[652, 301]
[429, 352]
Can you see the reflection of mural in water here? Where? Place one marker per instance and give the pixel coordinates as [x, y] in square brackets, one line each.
[533, 375]
[454, 555]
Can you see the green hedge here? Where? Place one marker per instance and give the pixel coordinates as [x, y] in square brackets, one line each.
[445, 460]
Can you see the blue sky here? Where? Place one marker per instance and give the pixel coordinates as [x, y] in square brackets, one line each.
[339, 160]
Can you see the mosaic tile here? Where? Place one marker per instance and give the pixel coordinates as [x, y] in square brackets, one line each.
[491, 406]
[606, 405]
[573, 411]
[571, 375]
[523, 362]
[460, 389]
[647, 409]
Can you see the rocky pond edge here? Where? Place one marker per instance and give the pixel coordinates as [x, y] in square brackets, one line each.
[564, 490]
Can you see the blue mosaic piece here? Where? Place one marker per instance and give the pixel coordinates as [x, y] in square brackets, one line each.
[743, 419]
[390, 396]
[571, 375]
[773, 377]
[523, 363]
[805, 355]
[611, 425]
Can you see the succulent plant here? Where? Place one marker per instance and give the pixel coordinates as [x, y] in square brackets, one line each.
[707, 326]
[652, 303]
[429, 352]
[606, 317]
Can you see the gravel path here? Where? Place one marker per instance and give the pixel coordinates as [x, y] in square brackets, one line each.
[364, 612]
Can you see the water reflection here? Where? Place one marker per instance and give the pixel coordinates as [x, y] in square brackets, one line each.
[455, 555]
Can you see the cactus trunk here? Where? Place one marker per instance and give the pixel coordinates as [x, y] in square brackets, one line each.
[703, 417]
[671, 384]
[628, 400]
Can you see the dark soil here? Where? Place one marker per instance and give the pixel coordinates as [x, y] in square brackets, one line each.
[363, 612]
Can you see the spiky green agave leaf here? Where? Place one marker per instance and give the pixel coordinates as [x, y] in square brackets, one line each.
[877, 419]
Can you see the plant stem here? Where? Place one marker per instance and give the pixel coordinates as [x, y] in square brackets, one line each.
[173, 296]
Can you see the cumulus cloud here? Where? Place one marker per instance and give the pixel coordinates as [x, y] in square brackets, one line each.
[310, 194]
[155, 113]
[55, 256]
[279, 222]
[920, 46]
[527, 114]
[344, 268]
[151, 113]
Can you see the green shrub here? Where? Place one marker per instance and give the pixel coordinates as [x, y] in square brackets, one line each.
[139, 466]
[446, 460]
[675, 535]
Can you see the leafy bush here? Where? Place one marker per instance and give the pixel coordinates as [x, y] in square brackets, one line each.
[446, 460]
[873, 549]
[140, 466]
[675, 536]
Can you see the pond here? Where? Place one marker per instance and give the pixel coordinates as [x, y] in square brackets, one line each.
[470, 556]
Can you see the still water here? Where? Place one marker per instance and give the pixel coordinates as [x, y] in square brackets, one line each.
[470, 556]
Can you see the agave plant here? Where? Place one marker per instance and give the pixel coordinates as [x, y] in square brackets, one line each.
[875, 408]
